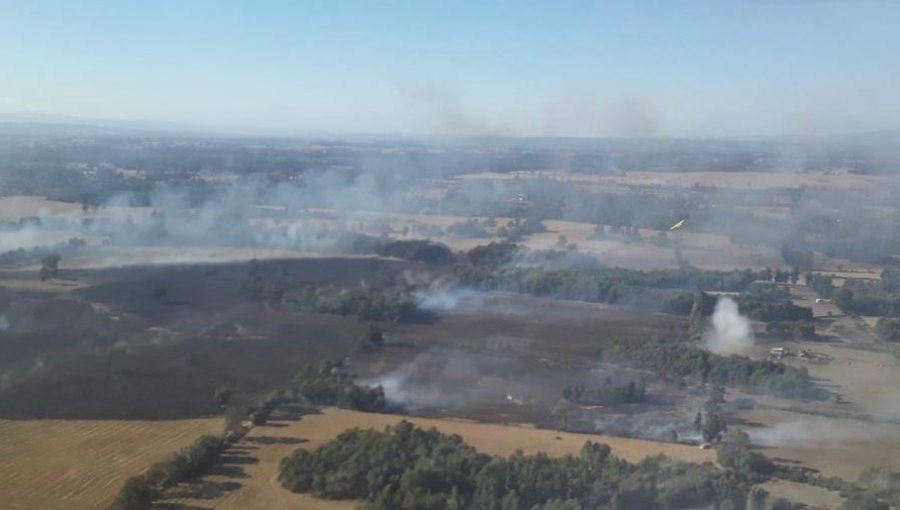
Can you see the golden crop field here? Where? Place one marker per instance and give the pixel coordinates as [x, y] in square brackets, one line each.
[81, 464]
[254, 478]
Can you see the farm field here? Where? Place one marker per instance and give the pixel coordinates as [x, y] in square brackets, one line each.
[248, 478]
[740, 180]
[81, 464]
[814, 497]
[842, 447]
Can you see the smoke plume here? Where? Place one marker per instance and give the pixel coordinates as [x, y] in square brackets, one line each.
[813, 432]
[731, 332]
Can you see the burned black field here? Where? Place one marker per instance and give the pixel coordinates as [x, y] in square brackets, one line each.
[155, 342]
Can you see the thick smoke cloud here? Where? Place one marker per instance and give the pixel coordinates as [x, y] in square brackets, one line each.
[730, 332]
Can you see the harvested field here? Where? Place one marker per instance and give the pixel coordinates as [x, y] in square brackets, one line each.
[737, 180]
[842, 447]
[21, 206]
[15, 207]
[119, 256]
[265, 446]
[65, 465]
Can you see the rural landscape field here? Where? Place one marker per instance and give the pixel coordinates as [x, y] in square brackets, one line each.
[168, 348]
[583, 255]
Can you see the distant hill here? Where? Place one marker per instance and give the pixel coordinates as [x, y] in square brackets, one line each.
[65, 120]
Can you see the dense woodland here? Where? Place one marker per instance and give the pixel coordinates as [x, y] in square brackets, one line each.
[608, 393]
[405, 467]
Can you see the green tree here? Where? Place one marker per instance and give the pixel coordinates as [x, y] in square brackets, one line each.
[713, 423]
[136, 494]
[696, 321]
[374, 336]
[716, 393]
[843, 298]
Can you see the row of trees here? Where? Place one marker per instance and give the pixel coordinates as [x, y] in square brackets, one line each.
[607, 394]
[326, 384]
[710, 422]
[768, 307]
[507, 267]
[139, 492]
[407, 468]
[42, 254]
[690, 362]
[517, 228]
[365, 304]
[417, 250]
[320, 384]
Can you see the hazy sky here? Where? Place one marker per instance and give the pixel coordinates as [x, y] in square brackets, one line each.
[631, 68]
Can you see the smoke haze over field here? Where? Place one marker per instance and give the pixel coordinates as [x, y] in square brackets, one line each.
[730, 332]
[814, 432]
[448, 379]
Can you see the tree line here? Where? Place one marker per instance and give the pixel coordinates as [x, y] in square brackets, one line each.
[508, 267]
[42, 253]
[138, 493]
[766, 303]
[364, 304]
[606, 394]
[325, 384]
[689, 362]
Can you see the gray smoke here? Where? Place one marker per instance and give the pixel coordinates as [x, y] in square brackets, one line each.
[813, 432]
[440, 298]
[424, 382]
[449, 380]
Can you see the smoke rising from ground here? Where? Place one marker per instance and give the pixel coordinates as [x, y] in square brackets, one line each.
[448, 379]
[813, 432]
[730, 332]
[314, 215]
[439, 298]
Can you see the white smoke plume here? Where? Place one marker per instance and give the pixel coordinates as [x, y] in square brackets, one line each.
[441, 298]
[442, 378]
[730, 332]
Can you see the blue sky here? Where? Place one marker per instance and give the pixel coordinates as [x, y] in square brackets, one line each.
[636, 68]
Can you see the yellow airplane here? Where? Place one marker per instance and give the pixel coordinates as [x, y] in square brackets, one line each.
[678, 225]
